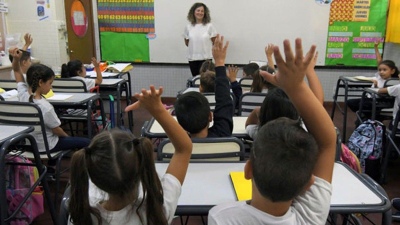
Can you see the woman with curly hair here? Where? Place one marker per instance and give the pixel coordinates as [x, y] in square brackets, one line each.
[199, 36]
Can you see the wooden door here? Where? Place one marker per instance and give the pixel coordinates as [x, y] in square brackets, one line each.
[79, 19]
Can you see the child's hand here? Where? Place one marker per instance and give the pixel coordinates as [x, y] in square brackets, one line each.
[95, 62]
[15, 53]
[219, 50]
[269, 50]
[148, 99]
[291, 70]
[232, 73]
[377, 42]
[28, 39]
[375, 82]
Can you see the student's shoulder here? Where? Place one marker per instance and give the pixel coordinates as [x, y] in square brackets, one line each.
[231, 208]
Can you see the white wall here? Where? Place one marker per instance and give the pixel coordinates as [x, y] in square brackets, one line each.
[49, 43]
[50, 47]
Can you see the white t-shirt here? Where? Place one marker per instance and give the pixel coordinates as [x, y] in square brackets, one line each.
[200, 44]
[50, 117]
[381, 82]
[312, 207]
[395, 92]
[90, 83]
[12, 75]
[171, 189]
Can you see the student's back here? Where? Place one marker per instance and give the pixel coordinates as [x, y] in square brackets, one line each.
[291, 169]
[76, 70]
[192, 108]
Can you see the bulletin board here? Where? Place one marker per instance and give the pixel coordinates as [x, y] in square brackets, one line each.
[343, 30]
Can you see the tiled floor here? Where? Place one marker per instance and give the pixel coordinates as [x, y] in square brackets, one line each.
[391, 187]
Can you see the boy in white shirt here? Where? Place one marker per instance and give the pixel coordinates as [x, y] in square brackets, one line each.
[291, 169]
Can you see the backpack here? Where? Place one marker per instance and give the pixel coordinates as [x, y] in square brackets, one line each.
[366, 142]
[19, 179]
[349, 158]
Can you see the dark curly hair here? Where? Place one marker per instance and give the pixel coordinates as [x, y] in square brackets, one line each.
[206, 18]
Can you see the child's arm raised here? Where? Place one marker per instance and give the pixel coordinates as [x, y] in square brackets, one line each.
[151, 100]
[28, 41]
[313, 80]
[99, 76]
[290, 78]
[16, 54]
[377, 53]
[269, 51]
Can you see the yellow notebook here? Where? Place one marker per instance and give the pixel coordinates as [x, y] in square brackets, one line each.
[241, 185]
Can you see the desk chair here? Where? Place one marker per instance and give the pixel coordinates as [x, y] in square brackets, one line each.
[207, 149]
[68, 85]
[8, 84]
[193, 82]
[249, 101]
[64, 214]
[211, 100]
[29, 114]
[6, 148]
[392, 144]
[245, 83]
[71, 85]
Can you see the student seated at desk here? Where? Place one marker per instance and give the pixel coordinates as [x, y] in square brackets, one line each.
[291, 169]
[122, 167]
[76, 70]
[277, 104]
[39, 79]
[207, 80]
[395, 92]
[386, 69]
[193, 110]
[25, 61]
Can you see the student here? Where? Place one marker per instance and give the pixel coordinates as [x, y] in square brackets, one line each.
[386, 69]
[123, 167]
[193, 110]
[207, 83]
[207, 65]
[25, 60]
[250, 69]
[39, 80]
[75, 69]
[395, 92]
[291, 169]
[277, 104]
[260, 85]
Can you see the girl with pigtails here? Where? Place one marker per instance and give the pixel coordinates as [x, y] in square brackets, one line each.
[39, 79]
[122, 166]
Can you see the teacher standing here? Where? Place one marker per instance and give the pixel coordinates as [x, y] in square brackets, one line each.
[199, 36]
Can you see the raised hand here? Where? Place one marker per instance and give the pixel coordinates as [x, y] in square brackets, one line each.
[292, 69]
[148, 99]
[269, 50]
[95, 62]
[232, 73]
[219, 50]
[28, 40]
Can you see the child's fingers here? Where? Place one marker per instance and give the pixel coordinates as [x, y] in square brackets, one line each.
[269, 77]
[287, 49]
[160, 90]
[133, 106]
[310, 54]
[278, 56]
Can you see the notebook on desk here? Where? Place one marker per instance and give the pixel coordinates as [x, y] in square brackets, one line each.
[241, 185]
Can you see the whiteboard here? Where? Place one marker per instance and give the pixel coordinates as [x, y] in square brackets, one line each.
[249, 25]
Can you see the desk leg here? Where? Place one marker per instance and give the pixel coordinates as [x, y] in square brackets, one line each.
[335, 96]
[346, 95]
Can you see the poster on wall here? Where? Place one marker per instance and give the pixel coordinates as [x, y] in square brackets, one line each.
[354, 28]
[43, 9]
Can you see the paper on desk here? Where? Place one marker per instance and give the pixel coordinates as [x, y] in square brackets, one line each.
[59, 97]
[9, 94]
[103, 74]
[364, 78]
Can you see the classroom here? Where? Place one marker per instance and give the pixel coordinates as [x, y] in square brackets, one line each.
[160, 60]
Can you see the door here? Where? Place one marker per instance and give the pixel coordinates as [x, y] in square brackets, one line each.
[79, 19]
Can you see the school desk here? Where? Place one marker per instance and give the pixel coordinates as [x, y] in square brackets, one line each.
[152, 129]
[386, 106]
[352, 87]
[77, 101]
[116, 87]
[10, 131]
[209, 184]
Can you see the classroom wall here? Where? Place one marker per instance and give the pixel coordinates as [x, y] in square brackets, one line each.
[50, 47]
[49, 37]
